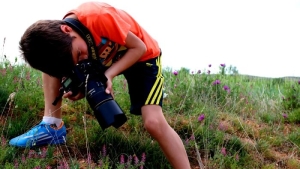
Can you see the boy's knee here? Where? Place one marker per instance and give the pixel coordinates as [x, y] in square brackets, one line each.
[155, 127]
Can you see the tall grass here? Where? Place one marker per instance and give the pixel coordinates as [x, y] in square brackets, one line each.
[225, 120]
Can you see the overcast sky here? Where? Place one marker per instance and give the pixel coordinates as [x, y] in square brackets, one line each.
[259, 37]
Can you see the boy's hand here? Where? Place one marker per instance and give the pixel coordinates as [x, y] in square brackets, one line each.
[73, 98]
[109, 89]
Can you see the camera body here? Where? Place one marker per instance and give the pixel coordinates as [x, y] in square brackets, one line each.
[88, 78]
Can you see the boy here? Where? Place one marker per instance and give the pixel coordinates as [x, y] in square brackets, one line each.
[53, 47]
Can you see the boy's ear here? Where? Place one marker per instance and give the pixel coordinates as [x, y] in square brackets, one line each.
[65, 28]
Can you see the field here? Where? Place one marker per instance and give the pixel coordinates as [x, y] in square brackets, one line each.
[225, 120]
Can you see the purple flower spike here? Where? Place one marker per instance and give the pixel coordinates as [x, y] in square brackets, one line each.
[122, 160]
[208, 72]
[143, 157]
[222, 64]
[175, 72]
[223, 151]
[285, 115]
[199, 71]
[209, 65]
[136, 159]
[201, 117]
[216, 82]
[299, 82]
[225, 87]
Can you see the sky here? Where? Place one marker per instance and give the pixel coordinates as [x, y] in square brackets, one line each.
[258, 37]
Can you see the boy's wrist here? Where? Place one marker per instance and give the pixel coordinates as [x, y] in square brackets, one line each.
[108, 74]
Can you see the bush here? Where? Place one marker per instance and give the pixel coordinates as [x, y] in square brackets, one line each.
[291, 98]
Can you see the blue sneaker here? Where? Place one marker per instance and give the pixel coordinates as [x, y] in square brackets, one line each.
[42, 134]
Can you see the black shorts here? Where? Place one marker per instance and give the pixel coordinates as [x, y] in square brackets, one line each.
[145, 84]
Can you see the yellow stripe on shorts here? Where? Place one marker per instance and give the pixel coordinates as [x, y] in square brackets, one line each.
[155, 94]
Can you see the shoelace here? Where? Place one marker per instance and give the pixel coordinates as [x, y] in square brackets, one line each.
[36, 128]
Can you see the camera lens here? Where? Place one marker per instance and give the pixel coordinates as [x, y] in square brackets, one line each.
[106, 109]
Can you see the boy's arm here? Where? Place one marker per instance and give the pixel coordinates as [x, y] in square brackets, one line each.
[135, 49]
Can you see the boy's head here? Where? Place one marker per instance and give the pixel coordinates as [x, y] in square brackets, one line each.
[46, 47]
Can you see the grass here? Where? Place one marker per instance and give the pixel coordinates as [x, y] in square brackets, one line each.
[253, 122]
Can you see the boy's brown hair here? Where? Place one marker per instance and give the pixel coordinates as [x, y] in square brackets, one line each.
[45, 47]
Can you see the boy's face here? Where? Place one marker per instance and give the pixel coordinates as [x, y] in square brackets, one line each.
[79, 47]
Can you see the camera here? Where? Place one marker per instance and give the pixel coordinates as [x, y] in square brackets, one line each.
[88, 78]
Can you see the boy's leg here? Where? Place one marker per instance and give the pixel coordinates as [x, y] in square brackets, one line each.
[169, 141]
[145, 81]
[51, 130]
[51, 87]
[52, 114]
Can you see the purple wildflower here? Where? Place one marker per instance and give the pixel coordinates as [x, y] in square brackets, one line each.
[135, 159]
[223, 151]
[143, 160]
[208, 72]
[192, 137]
[143, 157]
[201, 117]
[222, 126]
[122, 160]
[299, 82]
[199, 71]
[222, 65]
[209, 65]
[237, 157]
[175, 72]
[216, 82]
[44, 152]
[65, 164]
[284, 115]
[31, 154]
[226, 88]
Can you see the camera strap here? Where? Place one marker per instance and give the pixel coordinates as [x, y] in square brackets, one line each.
[85, 34]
